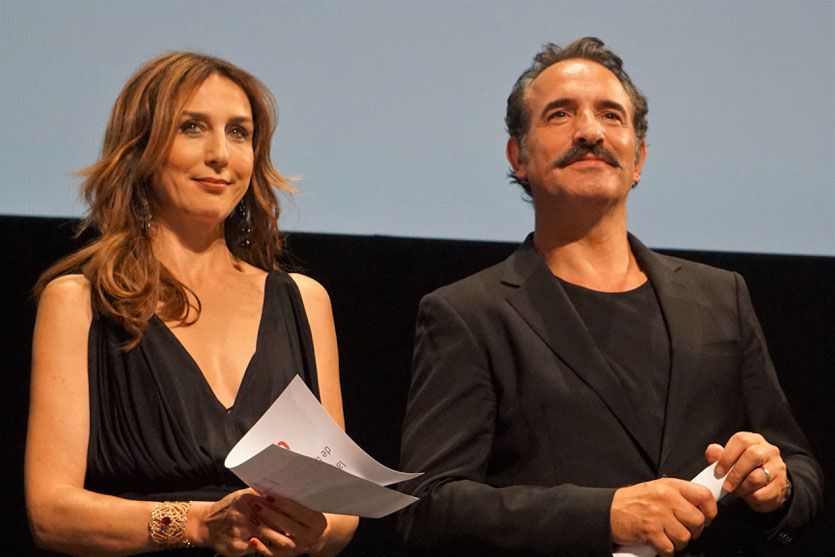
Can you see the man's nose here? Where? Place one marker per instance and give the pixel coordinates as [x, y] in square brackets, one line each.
[217, 151]
[588, 130]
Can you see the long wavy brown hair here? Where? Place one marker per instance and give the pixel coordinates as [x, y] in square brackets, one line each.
[128, 284]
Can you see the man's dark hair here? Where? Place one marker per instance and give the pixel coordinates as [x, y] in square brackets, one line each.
[518, 118]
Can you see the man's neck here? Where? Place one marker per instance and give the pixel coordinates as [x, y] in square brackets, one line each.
[593, 255]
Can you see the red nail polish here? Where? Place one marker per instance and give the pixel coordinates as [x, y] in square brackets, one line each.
[270, 499]
[255, 521]
[253, 542]
[256, 507]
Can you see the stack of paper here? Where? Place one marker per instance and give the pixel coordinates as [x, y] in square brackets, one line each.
[297, 451]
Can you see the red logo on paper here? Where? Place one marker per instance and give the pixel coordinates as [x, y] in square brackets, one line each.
[283, 445]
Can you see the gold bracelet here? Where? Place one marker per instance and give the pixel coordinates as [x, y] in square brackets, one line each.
[168, 524]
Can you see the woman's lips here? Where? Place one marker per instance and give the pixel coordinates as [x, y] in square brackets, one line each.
[213, 181]
[212, 184]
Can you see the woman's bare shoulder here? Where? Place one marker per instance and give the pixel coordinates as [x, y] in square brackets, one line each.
[311, 290]
[67, 293]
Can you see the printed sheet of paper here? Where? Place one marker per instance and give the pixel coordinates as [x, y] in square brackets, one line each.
[707, 478]
[297, 451]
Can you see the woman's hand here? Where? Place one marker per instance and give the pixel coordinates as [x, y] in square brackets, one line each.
[245, 523]
[286, 527]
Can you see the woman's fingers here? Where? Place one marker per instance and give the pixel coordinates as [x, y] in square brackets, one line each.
[287, 524]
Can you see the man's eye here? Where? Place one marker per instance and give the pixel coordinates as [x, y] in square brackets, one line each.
[612, 116]
[558, 114]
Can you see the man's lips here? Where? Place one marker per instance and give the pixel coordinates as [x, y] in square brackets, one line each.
[588, 159]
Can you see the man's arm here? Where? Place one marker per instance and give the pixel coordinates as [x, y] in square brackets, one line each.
[776, 442]
[449, 433]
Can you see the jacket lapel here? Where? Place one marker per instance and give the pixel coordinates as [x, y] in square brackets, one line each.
[541, 301]
[681, 314]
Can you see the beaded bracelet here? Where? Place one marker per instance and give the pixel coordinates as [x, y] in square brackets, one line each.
[168, 524]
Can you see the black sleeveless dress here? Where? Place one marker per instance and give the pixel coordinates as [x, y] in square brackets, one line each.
[157, 431]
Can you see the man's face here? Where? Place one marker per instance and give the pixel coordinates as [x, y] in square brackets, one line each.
[581, 142]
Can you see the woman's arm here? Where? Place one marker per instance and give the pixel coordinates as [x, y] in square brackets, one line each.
[317, 305]
[63, 515]
[68, 518]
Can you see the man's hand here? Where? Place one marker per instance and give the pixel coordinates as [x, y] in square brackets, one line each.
[665, 514]
[751, 455]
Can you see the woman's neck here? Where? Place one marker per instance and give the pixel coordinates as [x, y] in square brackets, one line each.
[192, 252]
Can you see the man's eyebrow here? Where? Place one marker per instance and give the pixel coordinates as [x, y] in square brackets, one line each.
[556, 103]
[614, 105]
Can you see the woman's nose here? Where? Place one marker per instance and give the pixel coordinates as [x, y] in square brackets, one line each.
[217, 151]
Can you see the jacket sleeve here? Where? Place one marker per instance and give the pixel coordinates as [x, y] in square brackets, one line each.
[449, 434]
[770, 415]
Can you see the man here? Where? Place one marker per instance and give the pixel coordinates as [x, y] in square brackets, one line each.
[562, 400]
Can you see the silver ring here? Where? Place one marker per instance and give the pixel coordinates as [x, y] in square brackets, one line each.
[767, 475]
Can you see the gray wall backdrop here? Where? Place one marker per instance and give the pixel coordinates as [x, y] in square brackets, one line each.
[391, 112]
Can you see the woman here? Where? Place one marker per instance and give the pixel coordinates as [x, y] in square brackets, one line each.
[157, 346]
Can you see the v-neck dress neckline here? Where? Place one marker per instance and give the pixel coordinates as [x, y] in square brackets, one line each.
[157, 430]
[195, 368]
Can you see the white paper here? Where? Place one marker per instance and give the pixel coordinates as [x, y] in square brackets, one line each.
[707, 478]
[297, 451]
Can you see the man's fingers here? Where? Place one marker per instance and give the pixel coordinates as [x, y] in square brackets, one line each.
[734, 448]
[749, 462]
[694, 493]
[691, 518]
[678, 534]
[702, 499]
[766, 498]
[713, 451]
[708, 509]
[750, 455]
[665, 513]
[765, 492]
[662, 545]
[756, 480]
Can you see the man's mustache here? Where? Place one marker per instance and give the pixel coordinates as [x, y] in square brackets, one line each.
[577, 152]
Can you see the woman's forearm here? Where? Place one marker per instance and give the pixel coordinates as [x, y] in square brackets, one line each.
[80, 522]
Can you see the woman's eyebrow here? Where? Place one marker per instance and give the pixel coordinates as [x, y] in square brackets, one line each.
[203, 116]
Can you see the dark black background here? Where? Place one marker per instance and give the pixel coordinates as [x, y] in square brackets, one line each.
[375, 283]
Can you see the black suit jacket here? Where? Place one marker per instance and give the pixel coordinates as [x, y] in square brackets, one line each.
[523, 430]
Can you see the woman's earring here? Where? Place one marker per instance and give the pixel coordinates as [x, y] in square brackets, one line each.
[143, 212]
[245, 224]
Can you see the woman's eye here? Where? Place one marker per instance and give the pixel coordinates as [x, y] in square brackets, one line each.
[239, 132]
[190, 127]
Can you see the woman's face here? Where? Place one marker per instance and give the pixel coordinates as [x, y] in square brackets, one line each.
[209, 166]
